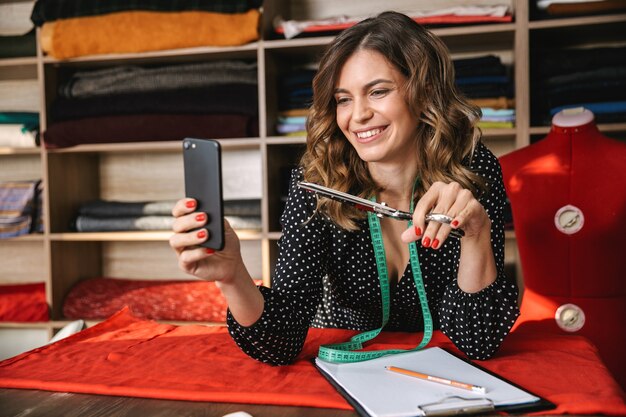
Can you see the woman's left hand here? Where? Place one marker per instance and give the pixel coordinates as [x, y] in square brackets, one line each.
[452, 200]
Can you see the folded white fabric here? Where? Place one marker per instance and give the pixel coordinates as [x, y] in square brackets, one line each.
[15, 18]
[544, 4]
[16, 136]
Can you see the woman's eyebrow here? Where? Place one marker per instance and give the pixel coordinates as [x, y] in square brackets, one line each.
[366, 86]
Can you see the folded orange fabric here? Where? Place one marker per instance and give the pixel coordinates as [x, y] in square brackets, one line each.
[141, 31]
[138, 358]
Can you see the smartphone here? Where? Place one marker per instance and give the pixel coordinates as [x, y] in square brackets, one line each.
[203, 181]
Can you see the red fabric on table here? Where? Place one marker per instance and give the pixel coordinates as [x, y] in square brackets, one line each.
[178, 300]
[23, 302]
[131, 357]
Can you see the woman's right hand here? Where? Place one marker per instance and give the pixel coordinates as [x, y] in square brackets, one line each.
[189, 232]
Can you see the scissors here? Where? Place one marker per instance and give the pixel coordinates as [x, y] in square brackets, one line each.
[380, 209]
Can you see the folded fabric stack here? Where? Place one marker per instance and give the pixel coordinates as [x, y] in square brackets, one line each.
[73, 28]
[17, 32]
[485, 81]
[19, 113]
[23, 302]
[19, 208]
[212, 100]
[19, 129]
[180, 300]
[458, 15]
[554, 8]
[594, 78]
[294, 98]
[110, 216]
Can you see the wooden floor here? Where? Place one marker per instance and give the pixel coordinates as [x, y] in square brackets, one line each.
[31, 403]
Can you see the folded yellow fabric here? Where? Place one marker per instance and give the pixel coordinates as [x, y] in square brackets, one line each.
[141, 31]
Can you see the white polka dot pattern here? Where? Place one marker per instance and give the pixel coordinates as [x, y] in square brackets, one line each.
[326, 277]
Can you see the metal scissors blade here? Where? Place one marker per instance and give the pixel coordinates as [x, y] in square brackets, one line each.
[381, 209]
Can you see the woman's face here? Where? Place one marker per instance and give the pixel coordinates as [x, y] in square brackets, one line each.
[371, 110]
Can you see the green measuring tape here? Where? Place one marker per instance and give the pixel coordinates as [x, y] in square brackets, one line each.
[345, 352]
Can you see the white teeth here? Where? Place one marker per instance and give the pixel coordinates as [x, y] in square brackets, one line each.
[369, 133]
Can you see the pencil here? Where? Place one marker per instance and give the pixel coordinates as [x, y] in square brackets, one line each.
[432, 378]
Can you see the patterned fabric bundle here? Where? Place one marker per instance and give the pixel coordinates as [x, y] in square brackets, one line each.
[99, 298]
[18, 208]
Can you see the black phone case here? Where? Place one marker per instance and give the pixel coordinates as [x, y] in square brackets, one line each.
[203, 181]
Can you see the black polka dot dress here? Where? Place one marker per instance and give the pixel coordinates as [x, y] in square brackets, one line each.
[327, 277]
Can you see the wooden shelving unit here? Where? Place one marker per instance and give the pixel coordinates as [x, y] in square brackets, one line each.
[75, 175]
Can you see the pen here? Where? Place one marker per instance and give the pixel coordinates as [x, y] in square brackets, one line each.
[445, 381]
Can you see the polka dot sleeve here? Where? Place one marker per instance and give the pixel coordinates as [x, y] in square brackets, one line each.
[290, 305]
[478, 322]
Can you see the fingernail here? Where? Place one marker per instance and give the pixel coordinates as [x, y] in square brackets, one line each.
[190, 204]
[426, 242]
[209, 251]
[418, 231]
[200, 217]
[454, 223]
[435, 244]
[201, 234]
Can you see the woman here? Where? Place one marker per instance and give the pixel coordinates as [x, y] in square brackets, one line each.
[387, 122]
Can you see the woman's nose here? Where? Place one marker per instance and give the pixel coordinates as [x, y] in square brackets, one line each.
[361, 110]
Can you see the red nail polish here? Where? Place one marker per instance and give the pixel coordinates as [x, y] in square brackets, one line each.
[435, 243]
[209, 251]
[190, 204]
[454, 223]
[418, 231]
[200, 217]
[426, 242]
[201, 234]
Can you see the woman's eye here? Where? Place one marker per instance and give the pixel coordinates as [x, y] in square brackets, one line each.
[380, 92]
[341, 100]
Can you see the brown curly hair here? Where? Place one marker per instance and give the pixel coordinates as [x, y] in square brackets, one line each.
[447, 131]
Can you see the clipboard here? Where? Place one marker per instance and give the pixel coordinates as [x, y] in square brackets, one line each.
[374, 391]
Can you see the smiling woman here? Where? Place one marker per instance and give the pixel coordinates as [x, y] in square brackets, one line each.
[387, 123]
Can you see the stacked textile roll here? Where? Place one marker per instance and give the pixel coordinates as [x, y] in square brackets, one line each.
[73, 28]
[109, 216]
[294, 98]
[20, 209]
[593, 78]
[17, 32]
[486, 82]
[211, 100]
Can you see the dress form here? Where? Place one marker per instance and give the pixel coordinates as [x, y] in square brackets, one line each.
[568, 200]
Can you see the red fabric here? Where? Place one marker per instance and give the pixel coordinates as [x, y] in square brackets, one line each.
[99, 298]
[573, 166]
[148, 127]
[132, 357]
[23, 302]
[426, 20]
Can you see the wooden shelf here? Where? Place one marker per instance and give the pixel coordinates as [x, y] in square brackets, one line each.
[18, 62]
[132, 236]
[576, 21]
[165, 146]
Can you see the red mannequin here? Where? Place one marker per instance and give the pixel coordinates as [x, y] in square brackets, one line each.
[584, 262]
